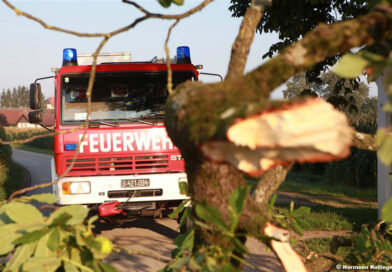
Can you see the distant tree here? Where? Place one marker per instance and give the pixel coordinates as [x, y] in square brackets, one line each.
[8, 98]
[18, 98]
[345, 94]
[292, 19]
[2, 99]
[14, 98]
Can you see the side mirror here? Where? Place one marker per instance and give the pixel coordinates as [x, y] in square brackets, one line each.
[35, 117]
[35, 96]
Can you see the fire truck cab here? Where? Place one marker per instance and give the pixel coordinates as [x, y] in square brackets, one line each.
[126, 163]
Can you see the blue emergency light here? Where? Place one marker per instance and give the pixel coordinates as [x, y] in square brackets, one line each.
[183, 54]
[70, 147]
[70, 57]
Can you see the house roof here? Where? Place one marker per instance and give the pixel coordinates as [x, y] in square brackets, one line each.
[50, 101]
[13, 116]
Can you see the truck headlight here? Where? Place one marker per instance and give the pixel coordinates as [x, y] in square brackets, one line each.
[76, 187]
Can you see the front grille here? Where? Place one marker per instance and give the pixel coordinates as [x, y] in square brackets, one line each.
[135, 193]
[117, 165]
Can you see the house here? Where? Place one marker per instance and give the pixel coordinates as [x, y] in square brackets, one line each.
[18, 117]
[49, 103]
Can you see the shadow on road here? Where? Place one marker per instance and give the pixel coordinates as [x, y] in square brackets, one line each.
[147, 223]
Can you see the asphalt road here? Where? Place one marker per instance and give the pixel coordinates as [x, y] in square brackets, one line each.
[146, 237]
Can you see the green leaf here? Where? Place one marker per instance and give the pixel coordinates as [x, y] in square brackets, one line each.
[384, 152]
[42, 249]
[386, 212]
[4, 219]
[23, 213]
[350, 65]
[70, 267]
[271, 204]
[48, 264]
[237, 199]
[75, 256]
[387, 107]
[295, 227]
[30, 237]
[301, 211]
[179, 209]
[183, 188]
[211, 215]
[54, 239]
[239, 245]
[107, 267]
[303, 223]
[45, 198]
[165, 3]
[381, 136]
[92, 219]
[61, 219]
[20, 256]
[7, 236]
[178, 2]
[185, 241]
[78, 213]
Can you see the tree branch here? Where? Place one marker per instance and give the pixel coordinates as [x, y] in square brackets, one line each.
[269, 183]
[169, 70]
[364, 141]
[223, 103]
[243, 42]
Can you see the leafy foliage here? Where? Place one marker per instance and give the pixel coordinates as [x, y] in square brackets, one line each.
[5, 150]
[291, 219]
[292, 19]
[371, 246]
[210, 257]
[64, 240]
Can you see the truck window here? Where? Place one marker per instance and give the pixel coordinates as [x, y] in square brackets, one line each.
[116, 95]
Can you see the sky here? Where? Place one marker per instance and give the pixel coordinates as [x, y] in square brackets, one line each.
[27, 51]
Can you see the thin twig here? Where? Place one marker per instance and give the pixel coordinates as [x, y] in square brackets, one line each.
[169, 70]
[106, 37]
[168, 16]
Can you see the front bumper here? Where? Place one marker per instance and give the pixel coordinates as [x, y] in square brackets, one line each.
[102, 188]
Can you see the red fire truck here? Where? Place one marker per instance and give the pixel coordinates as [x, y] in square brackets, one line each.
[127, 163]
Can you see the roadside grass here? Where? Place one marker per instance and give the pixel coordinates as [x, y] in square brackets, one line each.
[41, 145]
[11, 179]
[33, 149]
[312, 184]
[322, 245]
[333, 219]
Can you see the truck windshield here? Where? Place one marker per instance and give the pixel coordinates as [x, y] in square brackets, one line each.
[117, 96]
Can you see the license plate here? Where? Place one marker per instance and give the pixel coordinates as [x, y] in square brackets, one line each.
[130, 183]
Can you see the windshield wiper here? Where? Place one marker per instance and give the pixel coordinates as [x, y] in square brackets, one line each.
[102, 123]
[138, 121]
[153, 115]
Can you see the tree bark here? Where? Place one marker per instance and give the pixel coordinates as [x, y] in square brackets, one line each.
[243, 42]
[197, 113]
[205, 111]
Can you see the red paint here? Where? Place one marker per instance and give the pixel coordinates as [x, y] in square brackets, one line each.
[109, 209]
